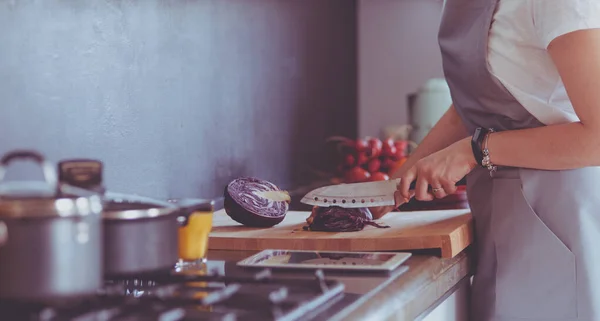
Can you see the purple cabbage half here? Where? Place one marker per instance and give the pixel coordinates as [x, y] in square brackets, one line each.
[338, 219]
[256, 203]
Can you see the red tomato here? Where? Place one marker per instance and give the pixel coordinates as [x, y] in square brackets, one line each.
[362, 158]
[388, 163]
[386, 143]
[356, 175]
[379, 176]
[349, 160]
[361, 145]
[374, 165]
[401, 148]
[388, 149]
[375, 146]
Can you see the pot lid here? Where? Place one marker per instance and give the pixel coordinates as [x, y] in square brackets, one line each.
[43, 199]
[119, 206]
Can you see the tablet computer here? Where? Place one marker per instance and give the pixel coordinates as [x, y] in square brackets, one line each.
[334, 260]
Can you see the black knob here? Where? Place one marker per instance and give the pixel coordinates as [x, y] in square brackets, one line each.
[82, 173]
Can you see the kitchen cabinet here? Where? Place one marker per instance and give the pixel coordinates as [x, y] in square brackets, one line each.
[455, 307]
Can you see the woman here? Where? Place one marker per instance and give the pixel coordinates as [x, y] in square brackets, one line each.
[529, 70]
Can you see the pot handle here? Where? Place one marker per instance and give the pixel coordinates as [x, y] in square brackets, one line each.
[47, 168]
[188, 206]
[3, 233]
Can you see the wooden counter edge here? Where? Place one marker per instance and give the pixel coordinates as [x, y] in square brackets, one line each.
[463, 235]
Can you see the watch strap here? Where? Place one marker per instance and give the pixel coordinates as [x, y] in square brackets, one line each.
[477, 143]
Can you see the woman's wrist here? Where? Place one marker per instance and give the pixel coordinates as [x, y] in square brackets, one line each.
[487, 160]
[466, 149]
[479, 147]
[478, 142]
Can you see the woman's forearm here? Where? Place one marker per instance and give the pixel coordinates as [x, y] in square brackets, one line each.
[564, 146]
[448, 130]
[554, 147]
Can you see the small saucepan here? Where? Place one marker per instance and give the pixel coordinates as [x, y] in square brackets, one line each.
[50, 236]
[140, 234]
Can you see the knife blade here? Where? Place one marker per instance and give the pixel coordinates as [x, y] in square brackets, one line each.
[354, 195]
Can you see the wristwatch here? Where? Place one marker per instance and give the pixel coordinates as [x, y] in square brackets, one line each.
[477, 143]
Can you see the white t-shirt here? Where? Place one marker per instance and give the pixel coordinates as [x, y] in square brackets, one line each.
[517, 56]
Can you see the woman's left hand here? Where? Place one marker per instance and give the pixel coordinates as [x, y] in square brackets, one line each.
[440, 170]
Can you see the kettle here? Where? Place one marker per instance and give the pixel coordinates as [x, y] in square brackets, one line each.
[427, 106]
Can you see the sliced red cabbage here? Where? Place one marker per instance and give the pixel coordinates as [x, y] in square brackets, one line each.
[254, 202]
[338, 219]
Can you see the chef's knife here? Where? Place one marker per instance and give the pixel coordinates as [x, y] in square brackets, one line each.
[355, 195]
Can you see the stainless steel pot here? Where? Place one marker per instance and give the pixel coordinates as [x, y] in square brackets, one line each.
[50, 236]
[140, 233]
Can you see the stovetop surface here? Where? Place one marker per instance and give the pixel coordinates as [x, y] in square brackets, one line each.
[195, 294]
[219, 290]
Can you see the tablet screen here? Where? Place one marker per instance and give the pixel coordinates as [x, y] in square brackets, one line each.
[325, 259]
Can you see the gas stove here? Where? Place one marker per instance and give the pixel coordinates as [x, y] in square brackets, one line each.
[193, 295]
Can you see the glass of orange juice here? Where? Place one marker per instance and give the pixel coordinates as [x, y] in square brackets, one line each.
[193, 232]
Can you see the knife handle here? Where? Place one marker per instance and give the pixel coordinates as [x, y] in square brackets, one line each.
[462, 182]
[412, 185]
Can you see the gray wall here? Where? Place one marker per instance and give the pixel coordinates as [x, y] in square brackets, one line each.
[398, 52]
[177, 97]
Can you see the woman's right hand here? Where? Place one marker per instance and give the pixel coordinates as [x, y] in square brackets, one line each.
[448, 130]
[380, 211]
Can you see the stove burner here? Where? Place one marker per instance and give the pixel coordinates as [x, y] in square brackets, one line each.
[187, 297]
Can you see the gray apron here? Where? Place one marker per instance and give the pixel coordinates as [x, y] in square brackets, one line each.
[537, 232]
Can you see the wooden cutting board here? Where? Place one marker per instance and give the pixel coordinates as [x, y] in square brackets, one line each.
[448, 230]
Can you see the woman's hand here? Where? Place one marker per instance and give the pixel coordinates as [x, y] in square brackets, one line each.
[448, 130]
[440, 170]
[380, 211]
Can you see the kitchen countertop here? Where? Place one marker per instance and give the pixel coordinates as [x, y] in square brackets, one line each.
[408, 293]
